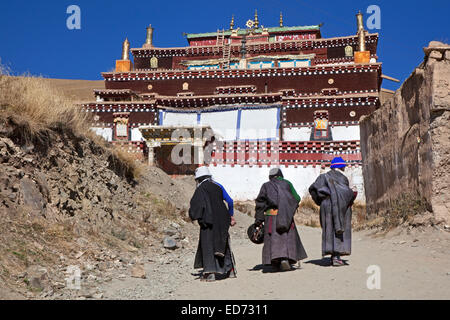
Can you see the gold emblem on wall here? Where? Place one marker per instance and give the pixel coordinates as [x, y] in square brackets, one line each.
[321, 124]
[154, 62]
[349, 51]
[185, 86]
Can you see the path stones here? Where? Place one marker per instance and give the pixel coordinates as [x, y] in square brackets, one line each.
[169, 243]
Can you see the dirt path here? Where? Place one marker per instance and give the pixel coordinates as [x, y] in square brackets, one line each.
[413, 266]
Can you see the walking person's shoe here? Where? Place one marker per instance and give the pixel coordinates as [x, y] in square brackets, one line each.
[285, 265]
[337, 262]
[231, 273]
[208, 277]
[275, 265]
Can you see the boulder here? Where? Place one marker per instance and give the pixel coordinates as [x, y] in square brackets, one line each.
[169, 243]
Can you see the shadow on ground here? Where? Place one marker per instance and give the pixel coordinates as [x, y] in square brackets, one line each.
[324, 262]
[267, 268]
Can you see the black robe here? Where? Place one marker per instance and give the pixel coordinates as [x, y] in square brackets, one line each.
[332, 193]
[281, 238]
[207, 207]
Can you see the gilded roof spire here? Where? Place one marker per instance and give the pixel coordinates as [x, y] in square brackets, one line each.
[281, 19]
[126, 49]
[256, 19]
[232, 22]
[149, 39]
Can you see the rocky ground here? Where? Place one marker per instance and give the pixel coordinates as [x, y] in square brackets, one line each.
[67, 203]
[171, 269]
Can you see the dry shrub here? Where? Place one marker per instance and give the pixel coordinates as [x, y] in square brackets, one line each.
[359, 218]
[401, 211]
[126, 163]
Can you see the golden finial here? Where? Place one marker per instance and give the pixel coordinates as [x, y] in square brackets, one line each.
[149, 39]
[125, 50]
[232, 22]
[256, 19]
[281, 19]
[359, 22]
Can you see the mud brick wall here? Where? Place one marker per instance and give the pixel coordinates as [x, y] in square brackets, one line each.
[405, 144]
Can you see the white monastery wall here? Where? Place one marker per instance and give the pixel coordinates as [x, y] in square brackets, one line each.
[244, 182]
[345, 133]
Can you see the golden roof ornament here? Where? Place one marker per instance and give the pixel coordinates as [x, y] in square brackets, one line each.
[361, 32]
[359, 22]
[281, 19]
[126, 50]
[149, 39]
[256, 19]
[232, 22]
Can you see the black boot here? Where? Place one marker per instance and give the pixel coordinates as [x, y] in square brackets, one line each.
[285, 265]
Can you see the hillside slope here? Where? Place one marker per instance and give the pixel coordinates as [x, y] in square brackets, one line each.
[67, 198]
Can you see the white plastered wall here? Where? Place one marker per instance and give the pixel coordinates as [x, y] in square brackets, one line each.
[345, 132]
[244, 182]
[136, 135]
[297, 134]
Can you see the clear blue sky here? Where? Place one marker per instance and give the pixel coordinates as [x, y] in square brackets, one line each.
[34, 37]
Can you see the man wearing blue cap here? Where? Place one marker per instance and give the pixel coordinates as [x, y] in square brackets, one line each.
[332, 193]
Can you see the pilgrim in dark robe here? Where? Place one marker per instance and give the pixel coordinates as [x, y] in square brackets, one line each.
[207, 207]
[276, 205]
[332, 193]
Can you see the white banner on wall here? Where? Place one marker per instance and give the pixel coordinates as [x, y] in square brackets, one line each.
[237, 124]
[179, 119]
[223, 123]
[259, 124]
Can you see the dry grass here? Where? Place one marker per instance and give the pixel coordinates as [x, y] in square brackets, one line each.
[124, 163]
[400, 211]
[308, 213]
[359, 218]
[37, 103]
[308, 203]
[35, 107]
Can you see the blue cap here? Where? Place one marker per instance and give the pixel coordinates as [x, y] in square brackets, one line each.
[338, 162]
